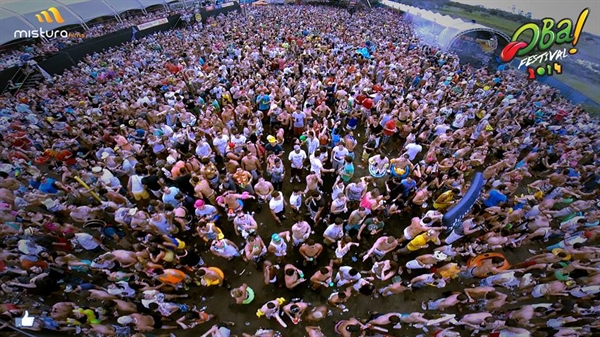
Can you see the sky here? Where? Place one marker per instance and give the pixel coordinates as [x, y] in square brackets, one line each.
[555, 9]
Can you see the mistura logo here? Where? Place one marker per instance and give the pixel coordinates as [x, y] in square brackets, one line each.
[49, 16]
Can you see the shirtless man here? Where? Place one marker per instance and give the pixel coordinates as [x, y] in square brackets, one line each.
[474, 321]
[338, 298]
[252, 164]
[300, 232]
[422, 195]
[395, 288]
[125, 258]
[293, 276]
[294, 310]
[61, 310]
[402, 162]
[270, 272]
[381, 247]
[392, 318]
[313, 181]
[124, 308]
[203, 190]
[348, 328]
[580, 252]
[493, 170]
[523, 315]
[577, 206]
[314, 331]
[263, 190]
[484, 269]
[350, 143]
[144, 323]
[322, 277]
[425, 261]
[210, 172]
[417, 227]
[477, 293]
[232, 201]
[541, 260]
[310, 251]
[445, 303]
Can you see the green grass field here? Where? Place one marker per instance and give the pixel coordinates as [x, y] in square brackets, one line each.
[501, 24]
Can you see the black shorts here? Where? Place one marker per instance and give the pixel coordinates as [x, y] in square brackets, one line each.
[157, 323]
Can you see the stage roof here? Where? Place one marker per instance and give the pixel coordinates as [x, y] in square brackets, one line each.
[23, 14]
[451, 28]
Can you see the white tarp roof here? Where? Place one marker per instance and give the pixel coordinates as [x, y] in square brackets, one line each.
[21, 14]
[453, 27]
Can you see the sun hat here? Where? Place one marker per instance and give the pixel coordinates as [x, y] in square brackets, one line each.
[275, 237]
[199, 203]
[97, 169]
[271, 139]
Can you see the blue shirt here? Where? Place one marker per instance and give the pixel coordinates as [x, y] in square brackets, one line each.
[263, 102]
[408, 185]
[45, 187]
[495, 199]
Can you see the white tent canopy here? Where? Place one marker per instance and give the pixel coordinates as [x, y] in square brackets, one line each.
[453, 28]
[21, 14]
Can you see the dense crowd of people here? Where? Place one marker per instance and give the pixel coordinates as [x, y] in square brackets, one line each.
[316, 150]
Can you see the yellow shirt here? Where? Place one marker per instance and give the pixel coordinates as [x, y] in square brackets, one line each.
[417, 242]
[451, 272]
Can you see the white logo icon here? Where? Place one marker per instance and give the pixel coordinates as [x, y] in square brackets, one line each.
[25, 321]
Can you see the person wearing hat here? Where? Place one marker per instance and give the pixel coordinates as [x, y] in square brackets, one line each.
[273, 147]
[204, 212]
[297, 159]
[278, 246]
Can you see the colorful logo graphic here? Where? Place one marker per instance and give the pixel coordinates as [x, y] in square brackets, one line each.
[542, 39]
[44, 16]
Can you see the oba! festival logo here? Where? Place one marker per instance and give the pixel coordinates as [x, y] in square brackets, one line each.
[544, 36]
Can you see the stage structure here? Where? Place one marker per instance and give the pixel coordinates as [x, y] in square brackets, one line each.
[24, 17]
[472, 42]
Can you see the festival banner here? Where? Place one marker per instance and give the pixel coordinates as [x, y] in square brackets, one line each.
[152, 23]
